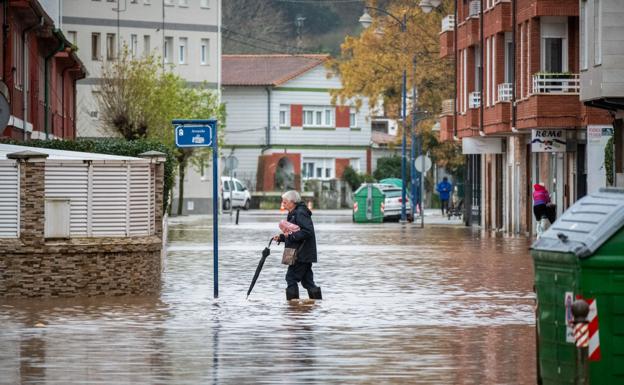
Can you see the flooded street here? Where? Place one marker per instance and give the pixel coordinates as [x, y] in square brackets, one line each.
[440, 305]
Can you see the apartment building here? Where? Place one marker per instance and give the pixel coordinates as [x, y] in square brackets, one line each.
[517, 110]
[602, 82]
[38, 73]
[183, 33]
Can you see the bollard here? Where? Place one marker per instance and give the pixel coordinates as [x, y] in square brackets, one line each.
[237, 214]
[580, 310]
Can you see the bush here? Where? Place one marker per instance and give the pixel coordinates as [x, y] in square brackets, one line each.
[355, 179]
[111, 146]
[609, 162]
[390, 167]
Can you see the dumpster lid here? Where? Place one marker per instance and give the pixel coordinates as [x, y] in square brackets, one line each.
[585, 226]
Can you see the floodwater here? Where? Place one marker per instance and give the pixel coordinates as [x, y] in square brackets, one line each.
[440, 305]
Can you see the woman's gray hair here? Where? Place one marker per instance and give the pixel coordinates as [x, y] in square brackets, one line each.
[292, 196]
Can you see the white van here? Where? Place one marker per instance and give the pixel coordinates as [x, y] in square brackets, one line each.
[234, 194]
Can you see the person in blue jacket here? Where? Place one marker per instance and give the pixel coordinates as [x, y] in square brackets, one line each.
[444, 188]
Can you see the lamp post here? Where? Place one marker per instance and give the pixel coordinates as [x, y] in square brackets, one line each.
[366, 20]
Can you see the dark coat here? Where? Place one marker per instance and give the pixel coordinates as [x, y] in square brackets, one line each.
[301, 217]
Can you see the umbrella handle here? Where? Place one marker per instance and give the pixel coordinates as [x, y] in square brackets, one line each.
[270, 241]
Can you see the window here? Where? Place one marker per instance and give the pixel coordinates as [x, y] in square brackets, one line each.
[204, 3]
[95, 46]
[284, 116]
[583, 31]
[134, 45]
[72, 36]
[18, 56]
[321, 168]
[183, 3]
[204, 51]
[239, 187]
[182, 50]
[509, 58]
[554, 50]
[168, 49]
[553, 54]
[477, 68]
[146, 45]
[169, 3]
[110, 46]
[488, 70]
[597, 32]
[355, 164]
[352, 118]
[318, 117]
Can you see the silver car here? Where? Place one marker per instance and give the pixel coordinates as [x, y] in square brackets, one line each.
[393, 202]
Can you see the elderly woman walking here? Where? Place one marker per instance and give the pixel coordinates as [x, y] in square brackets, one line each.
[304, 241]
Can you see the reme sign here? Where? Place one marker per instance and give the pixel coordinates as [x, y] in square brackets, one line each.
[548, 141]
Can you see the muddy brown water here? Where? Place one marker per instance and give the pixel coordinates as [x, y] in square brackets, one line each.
[440, 305]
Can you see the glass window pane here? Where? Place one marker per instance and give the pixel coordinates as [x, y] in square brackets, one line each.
[319, 172]
[319, 119]
[554, 54]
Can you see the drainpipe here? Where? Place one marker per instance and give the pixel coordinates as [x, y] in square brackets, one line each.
[455, 51]
[482, 72]
[513, 60]
[46, 86]
[268, 132]
[24, 69]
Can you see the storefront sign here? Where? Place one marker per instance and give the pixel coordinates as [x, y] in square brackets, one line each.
[596, 133]
[548, 141]
[482, 146]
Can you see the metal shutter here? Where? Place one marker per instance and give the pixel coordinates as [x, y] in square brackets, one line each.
[109, 199]
[70, 181]
[139, 222]
[9, 199]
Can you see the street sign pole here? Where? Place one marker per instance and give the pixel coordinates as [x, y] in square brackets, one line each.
[203, 133]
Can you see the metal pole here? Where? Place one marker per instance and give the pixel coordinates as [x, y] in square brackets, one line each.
[422, 184]
[413, 133]
[403, 143]
[215, 211]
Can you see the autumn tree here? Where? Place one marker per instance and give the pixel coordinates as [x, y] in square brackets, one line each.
[371, 67]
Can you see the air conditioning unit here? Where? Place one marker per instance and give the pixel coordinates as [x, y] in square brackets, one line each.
[475, 8]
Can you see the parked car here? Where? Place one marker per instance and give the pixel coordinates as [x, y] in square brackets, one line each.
[393, 202]
[234, 194]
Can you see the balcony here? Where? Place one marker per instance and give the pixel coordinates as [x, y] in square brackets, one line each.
[447, 120]
[474, 9]
[448, 106]
[556, 83]
[448, 24]
[474, 99]
[505, 91]
[447, 37]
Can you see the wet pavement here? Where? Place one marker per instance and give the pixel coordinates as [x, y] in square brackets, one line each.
[439, 305]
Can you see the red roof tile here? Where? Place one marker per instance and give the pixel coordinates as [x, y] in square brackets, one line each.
[266, 70]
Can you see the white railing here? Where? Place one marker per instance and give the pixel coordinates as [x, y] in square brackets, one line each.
[504, 92]
[447, 107]
[475, 8]
[448, 23]
[474, 99]
[554, 83]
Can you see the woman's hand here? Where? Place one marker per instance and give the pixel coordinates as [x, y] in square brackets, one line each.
[276, 238]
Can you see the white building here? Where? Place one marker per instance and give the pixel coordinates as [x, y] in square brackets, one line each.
[184, 33]
[282, 127]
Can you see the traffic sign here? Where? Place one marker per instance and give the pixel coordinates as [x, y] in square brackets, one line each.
[418, 162]
[194, 133]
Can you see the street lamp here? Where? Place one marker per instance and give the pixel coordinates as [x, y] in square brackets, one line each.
[366, 20]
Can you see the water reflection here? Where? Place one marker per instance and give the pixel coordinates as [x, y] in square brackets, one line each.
[440, 305]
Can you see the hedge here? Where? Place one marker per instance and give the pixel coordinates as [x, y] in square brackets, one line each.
[111, 146]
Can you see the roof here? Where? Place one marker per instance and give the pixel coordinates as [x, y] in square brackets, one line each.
[266, 70]
[585, 226]
[62, 154]
[379, 137]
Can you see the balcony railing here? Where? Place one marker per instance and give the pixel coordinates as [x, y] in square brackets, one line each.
[448, 23]
[474, 99]
[448, 107]
[475, 8]
[556, 83]
[504, 92]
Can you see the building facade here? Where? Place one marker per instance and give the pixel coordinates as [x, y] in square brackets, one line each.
[39, 68]
[182, 33]
[517, 109]
[602, 81]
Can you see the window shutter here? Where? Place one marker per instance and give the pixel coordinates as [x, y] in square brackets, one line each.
[140, 200]
[9, 199]
[110, 194]
[342, 116]
[70, 181]
[296, 115]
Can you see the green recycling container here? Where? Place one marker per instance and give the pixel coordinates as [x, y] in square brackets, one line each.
[582, 254]
[368, 204]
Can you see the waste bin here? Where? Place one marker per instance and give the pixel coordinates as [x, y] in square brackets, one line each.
[582, 255]
[368, 204]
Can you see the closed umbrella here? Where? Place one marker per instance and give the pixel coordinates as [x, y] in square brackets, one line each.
[265, 254]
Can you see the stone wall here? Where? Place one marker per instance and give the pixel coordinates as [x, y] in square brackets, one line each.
[31, 266]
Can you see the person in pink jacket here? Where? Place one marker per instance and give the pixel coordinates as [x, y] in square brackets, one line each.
[541, 203]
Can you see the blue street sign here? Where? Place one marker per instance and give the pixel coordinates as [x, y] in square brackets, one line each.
[194, 133]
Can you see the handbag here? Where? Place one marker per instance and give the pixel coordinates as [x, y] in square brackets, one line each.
[289, 256]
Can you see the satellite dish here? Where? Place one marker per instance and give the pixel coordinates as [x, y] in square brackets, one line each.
[5, 112]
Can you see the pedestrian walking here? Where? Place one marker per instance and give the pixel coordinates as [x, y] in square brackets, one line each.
[444, 188]
[303, 240]
[542, 207]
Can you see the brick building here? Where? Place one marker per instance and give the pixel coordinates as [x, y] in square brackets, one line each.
[38, 70]
[517, 109]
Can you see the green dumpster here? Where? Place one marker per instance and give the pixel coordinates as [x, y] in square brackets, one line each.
[368, 204]
[582, 254]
